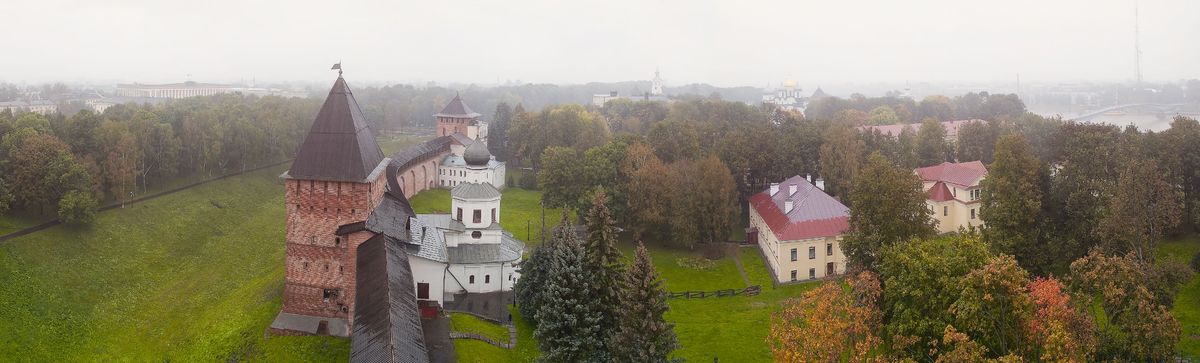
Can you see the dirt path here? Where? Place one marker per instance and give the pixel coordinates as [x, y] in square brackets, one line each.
[737, 260]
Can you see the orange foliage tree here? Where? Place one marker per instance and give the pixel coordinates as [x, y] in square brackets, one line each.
[829, 323]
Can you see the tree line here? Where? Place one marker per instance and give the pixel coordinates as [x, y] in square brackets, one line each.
[67, 165]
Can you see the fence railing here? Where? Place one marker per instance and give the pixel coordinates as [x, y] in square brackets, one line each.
[749, 291]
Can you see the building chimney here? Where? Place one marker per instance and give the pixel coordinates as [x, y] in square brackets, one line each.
[774, 188]
[820, 184]
[791, 189]
[787, 206]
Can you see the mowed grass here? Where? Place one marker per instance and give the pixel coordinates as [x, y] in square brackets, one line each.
[468, 323]
[392, 143]
[192, 276]
[473, 351]
[520, 211]
[1187, 303]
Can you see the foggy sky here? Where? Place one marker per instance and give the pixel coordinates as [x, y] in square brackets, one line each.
[727, 43]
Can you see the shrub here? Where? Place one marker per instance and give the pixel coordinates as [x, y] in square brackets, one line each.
[77, 207]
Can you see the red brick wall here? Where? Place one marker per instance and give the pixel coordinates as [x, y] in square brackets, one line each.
[316, 259]
[449, 125]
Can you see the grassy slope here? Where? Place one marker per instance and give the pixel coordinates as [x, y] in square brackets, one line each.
[193, 276]
[471, 351]
[467, 323]
[1187, 303]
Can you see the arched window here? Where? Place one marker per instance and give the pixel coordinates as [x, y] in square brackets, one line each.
[471, 279]
[487, 279]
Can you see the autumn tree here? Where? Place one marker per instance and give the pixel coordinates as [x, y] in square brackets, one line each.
[932, 148]
[1012, 203]
[887, 208]
[703, 202]
[42, 171]
[1060, 330]
[1143, 207]
[883, 115]
[828, 324]
[993, 306]
[841, 156]
[649, 196]
[1137, 328]
[642, 333]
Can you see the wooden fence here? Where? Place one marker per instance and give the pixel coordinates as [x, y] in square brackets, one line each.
[749, 291]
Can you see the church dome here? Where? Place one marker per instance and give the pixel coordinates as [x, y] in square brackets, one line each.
[477, 154]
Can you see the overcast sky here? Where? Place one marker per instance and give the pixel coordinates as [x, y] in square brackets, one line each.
[726, 43]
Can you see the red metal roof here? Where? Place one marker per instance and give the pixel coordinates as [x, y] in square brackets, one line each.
[964, 174]
[814, 213]
[939, 193]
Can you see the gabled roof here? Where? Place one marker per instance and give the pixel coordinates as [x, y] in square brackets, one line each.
[964, 174]
[340, 145]
[814, 213]
[475, 191]
[939, 193]
[387, 323]
[457, 109]
[461, 139]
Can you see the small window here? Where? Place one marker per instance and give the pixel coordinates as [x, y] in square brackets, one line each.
[945, 210]
[476, 234]
[812, 273]
[330, 294]
[471, 279]
[972, 213]
[477, 216]
[305, 265]
[494, 216]
[487, 279]
[337, 241]
[459, 215]
[793, 275]
[829, 249]
[812, 253]
[793, 254]
[341, 270]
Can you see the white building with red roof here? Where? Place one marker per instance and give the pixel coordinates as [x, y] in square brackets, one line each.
[952, 192]
[799, 229]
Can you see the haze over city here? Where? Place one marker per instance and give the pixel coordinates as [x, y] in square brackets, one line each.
[721, 43]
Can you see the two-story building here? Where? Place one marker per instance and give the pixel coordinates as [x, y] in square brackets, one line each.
[799, 229]
[953, 194]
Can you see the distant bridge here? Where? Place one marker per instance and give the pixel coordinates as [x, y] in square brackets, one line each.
[1159, 107]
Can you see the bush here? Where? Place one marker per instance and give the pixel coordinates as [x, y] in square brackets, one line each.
[77, 207]
[1196, 262]
[528, 181]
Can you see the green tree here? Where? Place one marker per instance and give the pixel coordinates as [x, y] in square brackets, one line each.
[703, 202]
[994, 307]
[560, 177]
[977, 141]
[1144, 206]
[932, 148]
[1012, 203]
[43, 170]
[841, 158]
[603, 260]
[6, 197]
[1180, 158]
[649, 196]
[884, 115]
[643, 334]
[923, 280]
[1137, 328]
[887, 208]
[535, 271]
[569, 318]
[497, 138]
[77, 208]
[674, 140]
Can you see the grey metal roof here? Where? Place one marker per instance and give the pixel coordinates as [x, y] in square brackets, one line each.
[477, 154]
[387, 323]
[340, 145]
[429, 242]
[457, 161]
[415, 154]
[462, 139]
[457, 109]
[475, 191]
[509, 249]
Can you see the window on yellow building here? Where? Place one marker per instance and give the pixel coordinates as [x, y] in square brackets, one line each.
[812, 253]
[945, 211]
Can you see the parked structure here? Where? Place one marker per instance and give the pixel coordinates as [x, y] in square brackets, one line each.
[799, 229]
[953, 193]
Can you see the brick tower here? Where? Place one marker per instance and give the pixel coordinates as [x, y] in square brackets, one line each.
[336, 179]
[456, 117]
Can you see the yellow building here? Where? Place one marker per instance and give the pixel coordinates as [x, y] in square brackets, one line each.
[953, 193]
[799, 229]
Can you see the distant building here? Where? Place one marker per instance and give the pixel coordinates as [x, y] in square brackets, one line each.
[953, 193]
[474, 164]
[599, 100]
[951, 127]
[799, 229]
[173, 90]
[655, 94]
[656, 85]
[456, 117]
[42, 107]
[101, 104]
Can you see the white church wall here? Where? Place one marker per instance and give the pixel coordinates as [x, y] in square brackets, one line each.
[432, 273]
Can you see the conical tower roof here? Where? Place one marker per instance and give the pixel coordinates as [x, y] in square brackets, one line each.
[340, 145]
[457, 109]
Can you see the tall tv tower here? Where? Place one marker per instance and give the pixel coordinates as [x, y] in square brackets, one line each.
[1137, 44]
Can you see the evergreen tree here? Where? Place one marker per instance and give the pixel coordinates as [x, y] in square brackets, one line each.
[498, 131]
[528, 290]
[889, 208]
[642, 334]
[603, 258]
[569, 318]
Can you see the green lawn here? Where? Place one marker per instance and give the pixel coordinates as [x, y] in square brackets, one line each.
[1187, 303]
[392, 143]
[471, 351]
[192, 276]
[468, 323]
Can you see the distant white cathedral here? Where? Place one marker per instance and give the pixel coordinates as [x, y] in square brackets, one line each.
[656, 85]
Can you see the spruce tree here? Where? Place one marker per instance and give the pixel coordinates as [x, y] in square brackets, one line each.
[569, 318]
[528, 291]
[603, 260]
[642, 334]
